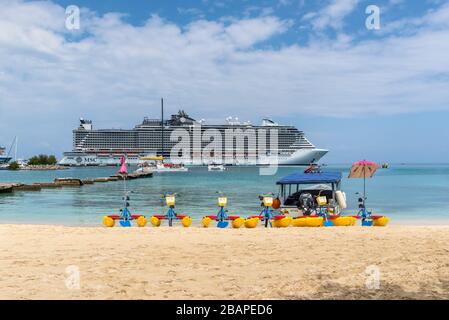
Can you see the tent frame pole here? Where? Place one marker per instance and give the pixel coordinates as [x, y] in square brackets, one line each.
[364, 185]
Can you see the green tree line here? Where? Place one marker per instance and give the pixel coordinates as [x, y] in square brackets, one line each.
[42, 159]
[14, 166]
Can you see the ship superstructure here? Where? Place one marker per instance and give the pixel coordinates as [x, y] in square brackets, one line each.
[98, 147]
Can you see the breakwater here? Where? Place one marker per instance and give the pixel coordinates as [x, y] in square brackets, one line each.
[69, 182]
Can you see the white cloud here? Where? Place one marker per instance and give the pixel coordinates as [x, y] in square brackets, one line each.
[115, 72]
[245, 33]
[434, 19]
[284, 2]
[191, 11]
[332, 15]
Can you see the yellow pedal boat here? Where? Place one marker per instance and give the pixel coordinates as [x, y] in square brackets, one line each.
[108, 222]
[251, 222]
[344, 221]
[155, 221]
[206, 222]
[380, 222]
[307, 222]
[282, 223]
[237, 223]
[186, 221]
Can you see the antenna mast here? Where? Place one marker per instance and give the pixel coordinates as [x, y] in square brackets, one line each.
[162, 125]
[15, 148]
[13, 144]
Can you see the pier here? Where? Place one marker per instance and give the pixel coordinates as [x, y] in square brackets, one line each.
[69, 182]
[6, 188]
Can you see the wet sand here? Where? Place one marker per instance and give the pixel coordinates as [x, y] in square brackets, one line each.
[396, 262]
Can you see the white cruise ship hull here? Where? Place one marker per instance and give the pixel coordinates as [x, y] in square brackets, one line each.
[303, 157]
[299, 157]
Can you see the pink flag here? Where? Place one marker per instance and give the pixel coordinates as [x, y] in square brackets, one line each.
[123, 169]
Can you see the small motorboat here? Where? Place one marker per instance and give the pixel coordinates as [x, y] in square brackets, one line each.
[157, 164]
[312, 193]
[216, 167]
[170, 167]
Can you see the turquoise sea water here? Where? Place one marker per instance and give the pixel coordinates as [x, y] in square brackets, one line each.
[408, 194]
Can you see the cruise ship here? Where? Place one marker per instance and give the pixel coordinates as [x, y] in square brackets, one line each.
[3, 158]
[153, 137]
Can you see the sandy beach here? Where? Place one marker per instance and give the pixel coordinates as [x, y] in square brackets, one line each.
[42, 262]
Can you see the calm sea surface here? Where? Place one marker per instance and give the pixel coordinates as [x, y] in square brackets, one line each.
[408, 194]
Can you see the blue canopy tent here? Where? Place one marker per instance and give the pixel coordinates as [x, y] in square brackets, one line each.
[300, 178]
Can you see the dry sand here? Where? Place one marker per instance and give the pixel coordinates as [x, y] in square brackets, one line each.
[194, 263]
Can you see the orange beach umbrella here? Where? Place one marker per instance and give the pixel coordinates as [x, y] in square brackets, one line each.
[363, 169]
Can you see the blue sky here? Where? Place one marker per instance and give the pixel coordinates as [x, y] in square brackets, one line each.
[378, 94]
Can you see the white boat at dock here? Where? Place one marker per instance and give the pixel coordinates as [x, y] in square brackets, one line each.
[156, 164]
[216, 167]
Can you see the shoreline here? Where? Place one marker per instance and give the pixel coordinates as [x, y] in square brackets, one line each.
[198, 263]
[196, 224]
